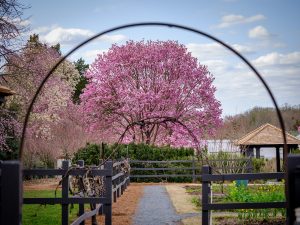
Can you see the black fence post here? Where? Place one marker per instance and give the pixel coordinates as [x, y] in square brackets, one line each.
[11, 192]
[206, 170]
[194, 172]
[81, 206]
[249, 166]
[293, 198]
[108, 192]
[65, 195]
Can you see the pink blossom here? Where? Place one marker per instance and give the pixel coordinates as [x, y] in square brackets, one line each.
[145, 81]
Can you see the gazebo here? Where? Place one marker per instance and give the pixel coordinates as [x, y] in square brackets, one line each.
[5, 91]
[266, 136]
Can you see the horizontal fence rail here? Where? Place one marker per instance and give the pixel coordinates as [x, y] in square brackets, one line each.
[208, 177]
[188, 168]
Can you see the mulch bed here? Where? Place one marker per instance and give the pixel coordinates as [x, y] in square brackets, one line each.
[125, 207]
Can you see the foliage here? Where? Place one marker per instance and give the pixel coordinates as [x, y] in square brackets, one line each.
[258, 164]
[196, 201]
[150, 92]
[55, 127]
[9, 132]
[295, 151]
[228, 162]
[265, 193]
[92, 154]
[238, 125]
[81, 67]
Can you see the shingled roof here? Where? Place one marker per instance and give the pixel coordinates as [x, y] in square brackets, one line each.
[6, 91]
[267, 134]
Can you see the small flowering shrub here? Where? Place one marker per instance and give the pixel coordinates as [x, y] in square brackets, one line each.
[265, 193]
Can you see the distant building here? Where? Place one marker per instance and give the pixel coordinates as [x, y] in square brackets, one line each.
[267, 138]
[5, 91]
[214, 146]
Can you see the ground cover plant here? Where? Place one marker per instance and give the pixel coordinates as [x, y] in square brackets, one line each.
[231, 192]
[263, 193]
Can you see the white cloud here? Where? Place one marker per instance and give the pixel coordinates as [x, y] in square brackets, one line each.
[24, 23]
[213, 51]
[41, 30]
[67, 36]
[217, 66]
[233, 19]
[259, 32]
[113, 38]
[277, 59]
[244, 49]
[206, 51]
[238, 87]
[91, 55]
[17, 21]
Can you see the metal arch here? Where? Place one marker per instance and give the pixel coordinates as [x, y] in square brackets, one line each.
[154, 24]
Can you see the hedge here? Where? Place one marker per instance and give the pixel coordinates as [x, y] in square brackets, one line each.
[92, 153]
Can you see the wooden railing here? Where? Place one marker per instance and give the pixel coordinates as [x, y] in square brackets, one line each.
[115, 182]
[193, 169]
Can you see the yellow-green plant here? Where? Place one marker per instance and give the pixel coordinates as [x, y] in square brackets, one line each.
[264, 193]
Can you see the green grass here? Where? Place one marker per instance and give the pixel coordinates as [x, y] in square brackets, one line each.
[44, 214]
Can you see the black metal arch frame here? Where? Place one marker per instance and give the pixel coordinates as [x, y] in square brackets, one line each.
[170, 25]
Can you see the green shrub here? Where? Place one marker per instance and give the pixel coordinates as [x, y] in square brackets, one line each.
[92, 153]
[258, 164]
[295, 151]
[264, 193]
[227, 162]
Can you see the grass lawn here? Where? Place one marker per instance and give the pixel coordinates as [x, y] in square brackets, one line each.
[44, 214]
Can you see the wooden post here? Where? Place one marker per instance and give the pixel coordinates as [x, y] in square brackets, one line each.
[293, 187]
[277, 159]
[249, 166]
[119, 188]
[206, 170]
[11, 192]
[194, 172]
[65, 195]
[108, 191]
[81, 206]
[257, 154]
[250, 152]
[102, 150]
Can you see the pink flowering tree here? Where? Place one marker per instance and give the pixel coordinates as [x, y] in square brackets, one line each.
[54, 129]
[153, 92]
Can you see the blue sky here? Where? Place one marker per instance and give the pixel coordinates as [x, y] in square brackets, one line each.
[265, 31]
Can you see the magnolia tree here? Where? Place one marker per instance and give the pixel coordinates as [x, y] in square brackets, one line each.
[150, 92]
[53, 123]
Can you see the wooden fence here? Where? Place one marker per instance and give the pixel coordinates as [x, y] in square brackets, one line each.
[193, 170]
[208, 177]
[115, 182]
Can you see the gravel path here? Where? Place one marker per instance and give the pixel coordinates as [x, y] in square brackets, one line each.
[155, 208]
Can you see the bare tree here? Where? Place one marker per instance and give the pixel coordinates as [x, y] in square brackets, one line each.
[12, 25]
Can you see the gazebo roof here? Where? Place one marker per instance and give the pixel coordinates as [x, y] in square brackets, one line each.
[267, 134]
[6, 91]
